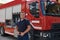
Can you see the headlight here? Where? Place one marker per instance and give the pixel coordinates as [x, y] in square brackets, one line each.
[45, 34]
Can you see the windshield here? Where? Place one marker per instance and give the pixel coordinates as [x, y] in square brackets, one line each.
[34, 9]
[51, 8]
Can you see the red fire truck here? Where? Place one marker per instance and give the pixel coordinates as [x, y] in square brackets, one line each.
[44, 16]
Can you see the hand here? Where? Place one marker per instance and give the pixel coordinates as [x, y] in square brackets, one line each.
[22, 34]
[18, 33]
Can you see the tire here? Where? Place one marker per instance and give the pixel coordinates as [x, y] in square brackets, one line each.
[2, 31]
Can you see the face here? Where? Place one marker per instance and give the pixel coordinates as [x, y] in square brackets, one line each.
[22, 15]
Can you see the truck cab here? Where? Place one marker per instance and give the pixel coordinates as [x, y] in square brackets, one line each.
[44, 16]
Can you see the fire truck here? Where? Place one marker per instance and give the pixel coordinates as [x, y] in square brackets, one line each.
[44, 17]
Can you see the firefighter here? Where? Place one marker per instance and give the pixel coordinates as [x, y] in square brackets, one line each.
[23, 27]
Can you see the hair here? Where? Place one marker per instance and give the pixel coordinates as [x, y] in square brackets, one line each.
[22, 12]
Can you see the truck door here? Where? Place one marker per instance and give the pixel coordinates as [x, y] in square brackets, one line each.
[34, 13]
[8, 20]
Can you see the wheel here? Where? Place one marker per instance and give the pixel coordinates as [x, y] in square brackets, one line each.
[2, 31]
